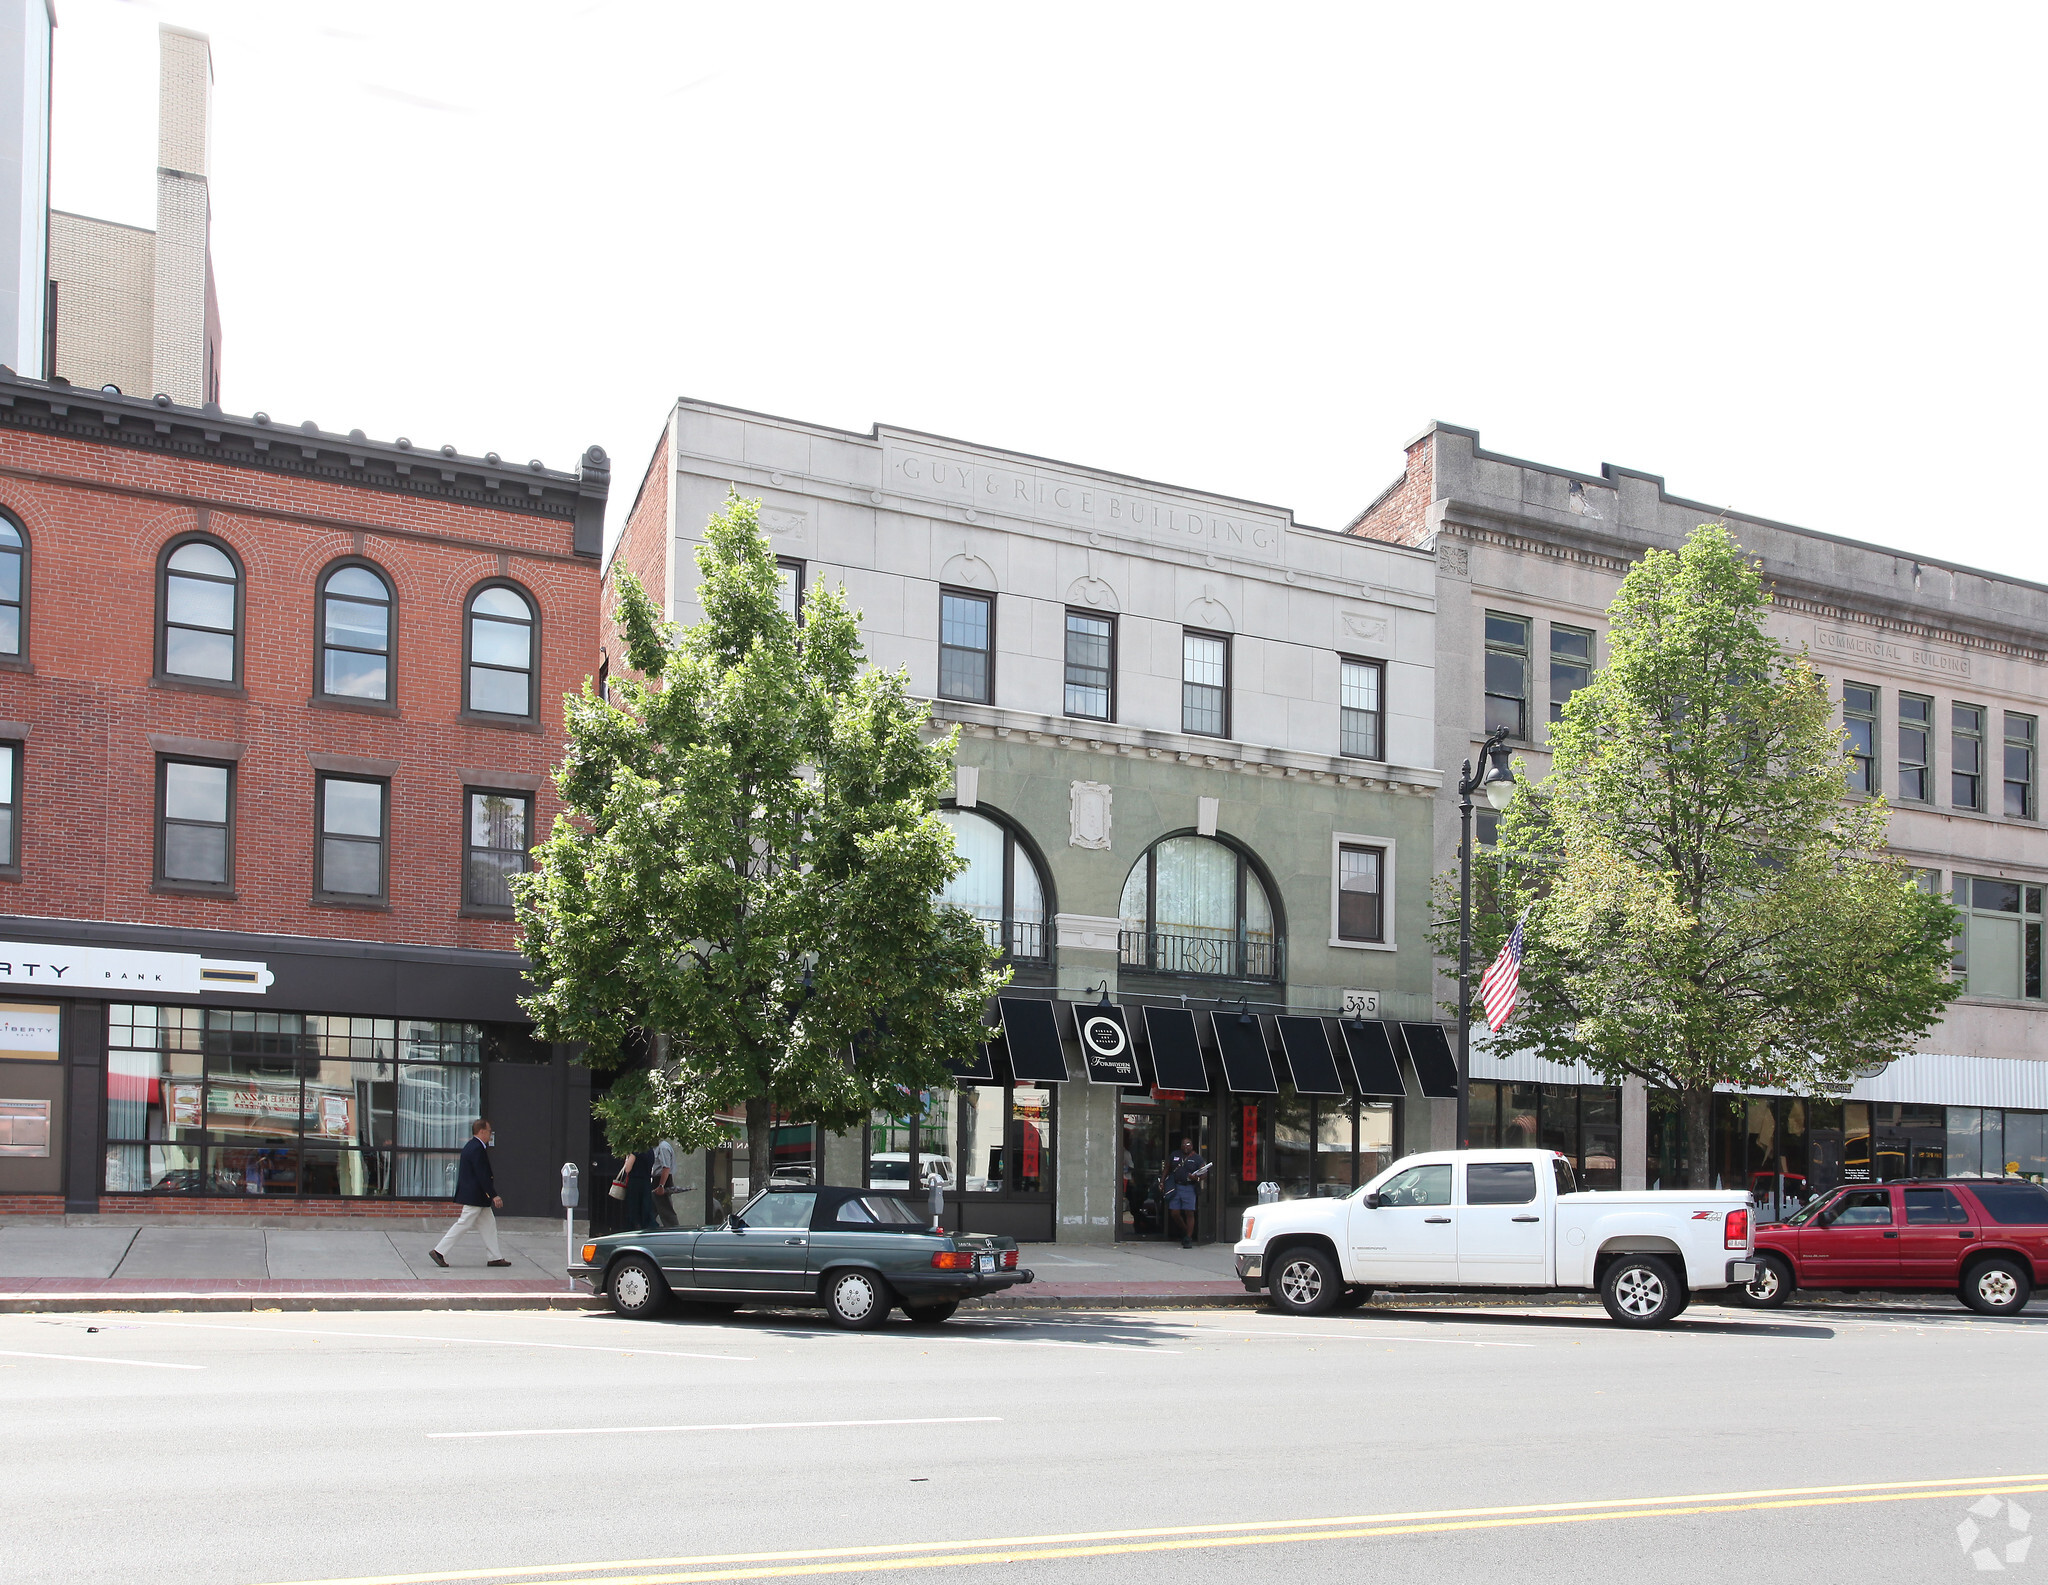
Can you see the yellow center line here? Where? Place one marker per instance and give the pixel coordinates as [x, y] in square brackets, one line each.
[1258, 1532]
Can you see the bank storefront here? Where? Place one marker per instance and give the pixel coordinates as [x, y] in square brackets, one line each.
[279, 1074]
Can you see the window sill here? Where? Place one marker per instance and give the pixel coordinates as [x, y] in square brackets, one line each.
[504, 723]
[20, 663]
[1364, 946]
[472, 911]
[368, 905]
[175, 889]
[321, 701]
[221, 690]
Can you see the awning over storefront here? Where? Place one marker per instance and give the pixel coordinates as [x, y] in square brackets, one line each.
[1176, 1052]
[983, 1067]
[1033, 1035]
[1435, 1069]
[1371, 1050]
[1247, 1064]
[1307, 1044]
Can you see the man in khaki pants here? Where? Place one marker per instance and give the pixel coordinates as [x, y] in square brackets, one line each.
[476, 1192]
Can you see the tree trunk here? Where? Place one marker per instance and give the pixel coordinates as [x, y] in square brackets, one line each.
[760, 1145]
[1696, 1108]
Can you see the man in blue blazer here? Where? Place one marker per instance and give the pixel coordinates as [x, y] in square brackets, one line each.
[477, 1193]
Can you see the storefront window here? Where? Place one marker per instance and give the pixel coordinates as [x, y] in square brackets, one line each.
[1031, 1129]
[1377, 1125]
[904, 1144]
[1336, 1160]
[1483, 1114]
[1293, 1161]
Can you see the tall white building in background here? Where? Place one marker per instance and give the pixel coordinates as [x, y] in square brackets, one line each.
[25, 33]
[135, 308]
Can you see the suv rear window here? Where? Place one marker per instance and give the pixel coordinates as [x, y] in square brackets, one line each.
[2013, 1204]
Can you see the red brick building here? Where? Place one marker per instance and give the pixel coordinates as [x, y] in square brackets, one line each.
[277, 713]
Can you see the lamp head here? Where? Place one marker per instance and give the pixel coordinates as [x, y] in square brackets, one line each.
[1245, 1017]
[1499, 784]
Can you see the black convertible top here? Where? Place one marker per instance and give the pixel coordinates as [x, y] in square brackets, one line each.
[825, 1210]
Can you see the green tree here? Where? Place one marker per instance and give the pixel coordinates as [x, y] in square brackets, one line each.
[740, 901]
[1703, 905]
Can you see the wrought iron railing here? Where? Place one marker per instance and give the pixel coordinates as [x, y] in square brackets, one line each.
[1027, 937]
[1206, 955]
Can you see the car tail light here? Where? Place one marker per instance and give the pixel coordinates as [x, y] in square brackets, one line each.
[953, 1260]
[1736, 1234]
[1250, 1221]
[1009, 1260]
[590, 1254]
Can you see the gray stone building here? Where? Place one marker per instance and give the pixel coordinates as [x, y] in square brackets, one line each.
[1941, 673]
[1195, 774]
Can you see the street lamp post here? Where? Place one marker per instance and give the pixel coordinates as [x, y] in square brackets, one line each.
[1498, 778]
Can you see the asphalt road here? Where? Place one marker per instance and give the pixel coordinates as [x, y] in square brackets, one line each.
[1420, 1445]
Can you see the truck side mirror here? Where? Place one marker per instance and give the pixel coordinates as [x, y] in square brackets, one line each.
[1372, 1201]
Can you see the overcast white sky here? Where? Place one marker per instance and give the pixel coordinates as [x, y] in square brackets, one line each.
[1789, 257]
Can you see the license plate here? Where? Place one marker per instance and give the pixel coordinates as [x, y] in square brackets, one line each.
[984, 1263]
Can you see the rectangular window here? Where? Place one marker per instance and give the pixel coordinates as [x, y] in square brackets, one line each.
[1507, 673]
[1916, 735]
[10, 806]
[1361, 893]
[1966, 756]
[967, 626]
[1999, 951]
[1205, 684]
[1571, 665]
[2019, 766]
[1091, 666]
[195, 842]
[353, 833]
[500, 835]
[1360, 714]
[1859, 721]
[789, 575]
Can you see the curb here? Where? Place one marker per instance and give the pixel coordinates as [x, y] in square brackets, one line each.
[201, 1303]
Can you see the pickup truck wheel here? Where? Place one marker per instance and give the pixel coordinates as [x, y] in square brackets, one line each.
[857, 1300]
[1354, 1298]
[1770, 1288]
[931, 1314]
[1304, 1281]
[1998, 1286]
[1641, 1290]
[636, 1289]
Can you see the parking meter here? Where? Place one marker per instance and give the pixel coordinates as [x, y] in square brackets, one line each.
[571, 1194]
[1269, 1193]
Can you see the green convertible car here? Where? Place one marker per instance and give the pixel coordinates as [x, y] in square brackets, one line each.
[856, 1252]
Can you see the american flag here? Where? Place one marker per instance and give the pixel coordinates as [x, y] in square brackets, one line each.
[1497, 987]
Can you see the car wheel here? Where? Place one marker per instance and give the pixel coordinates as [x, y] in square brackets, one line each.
[1998, 1286]
[636, 1288]
[1304, 1281]
[858, 1300]
[1771, 1286]
[931, 1314]
[1641, 1290]
[1354, 1298]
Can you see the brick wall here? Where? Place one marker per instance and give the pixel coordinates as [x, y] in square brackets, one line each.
[97, 517]
[31, 1205]
[1401, 514]
[106, 283]
[643, 548]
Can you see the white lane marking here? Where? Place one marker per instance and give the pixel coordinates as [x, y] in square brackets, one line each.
[760, 1425]
[1351, 1337]
[95, 1359]
[314, 1334]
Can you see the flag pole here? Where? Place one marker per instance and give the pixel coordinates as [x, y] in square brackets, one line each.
[1493, 753]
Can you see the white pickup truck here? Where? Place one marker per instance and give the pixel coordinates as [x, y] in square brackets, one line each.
[1500, 1219]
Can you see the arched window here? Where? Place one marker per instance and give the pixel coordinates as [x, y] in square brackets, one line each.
[1193, 905]
[355, 634]
[13, 588]
[202, 605]
[500, 644]
[1001, 885]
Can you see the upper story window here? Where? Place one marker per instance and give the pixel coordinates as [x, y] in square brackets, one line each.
[2019, 766]
[789, 578]
[1916, 736]
[1361, 893]
[355, 634]
[10, 807]
[195, 834]
[13, 588]
[201, 601]
[1361, 716]
[1859, 723]
[1998, 952]
[500, 838]
[1205, 683]
[1507, 673]
[1966, 756]
[499, 638]
[1091, 666]
[353, 839]
[1000, 887]
[967, 635]
[1571, 665]
[1194, 905]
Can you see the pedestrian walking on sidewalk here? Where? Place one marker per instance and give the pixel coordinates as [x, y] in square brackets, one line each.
[664, 1185]
[477, 1193]
[639, 1175]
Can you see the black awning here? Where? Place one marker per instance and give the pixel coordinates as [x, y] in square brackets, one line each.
[1247, 1064]
[1307, 1044]
[1106, 1044]
[1176, 1053]
[983, 1067]
[1430, 1051]
[1033, 1035]
[1371, 1050]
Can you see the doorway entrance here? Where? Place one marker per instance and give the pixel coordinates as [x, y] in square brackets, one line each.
[1152, 1132]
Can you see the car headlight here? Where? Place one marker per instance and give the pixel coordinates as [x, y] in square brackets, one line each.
[590, 1254]
[1250, 1221]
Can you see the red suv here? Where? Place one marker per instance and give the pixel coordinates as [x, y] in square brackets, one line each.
[1984, 1239]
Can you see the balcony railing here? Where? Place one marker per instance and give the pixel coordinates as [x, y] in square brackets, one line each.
[1206, 955]
[1027, 938]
